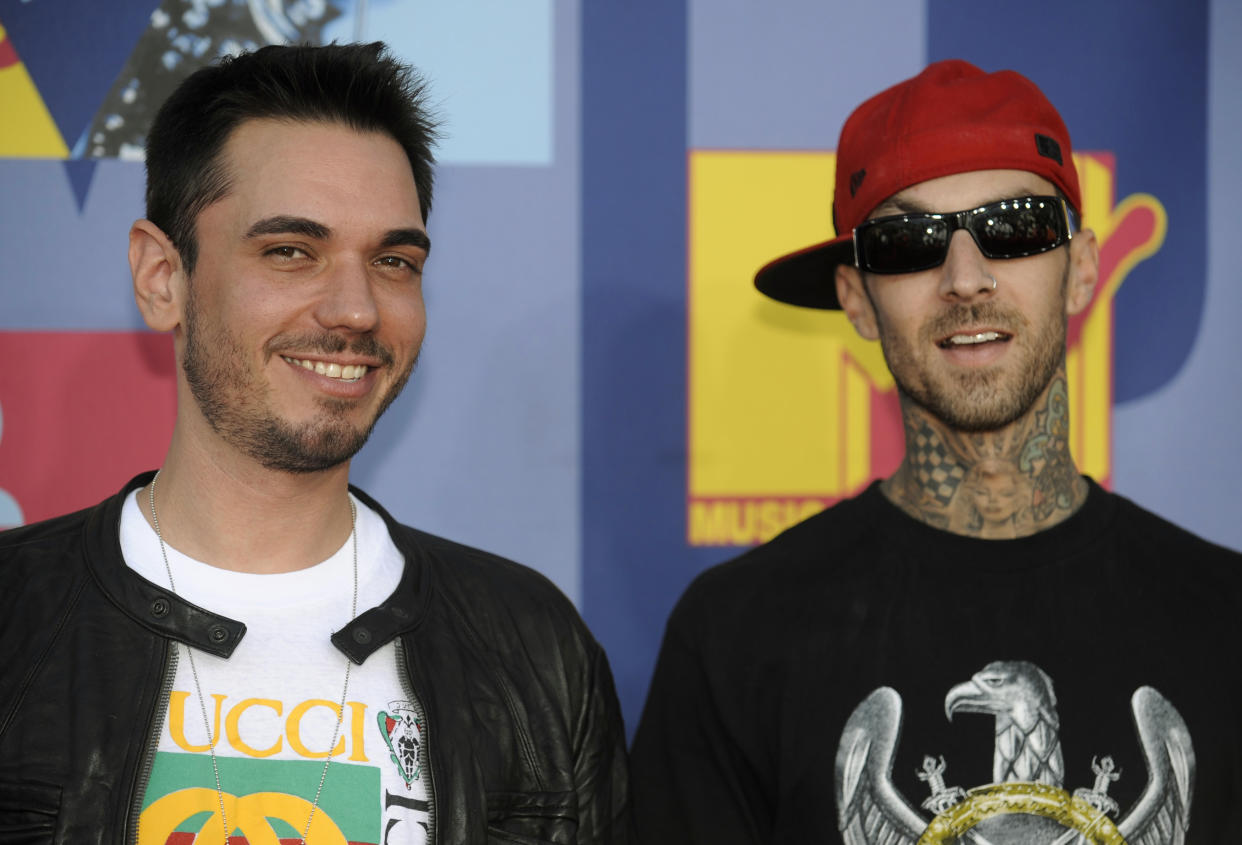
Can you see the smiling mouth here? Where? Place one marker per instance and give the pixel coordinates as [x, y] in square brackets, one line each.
[956, 341]
[349, 372]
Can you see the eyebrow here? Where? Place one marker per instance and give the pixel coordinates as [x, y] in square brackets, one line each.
[289, 225]
[897, 205]
[286, 225]
[407, 237]
[902, 205]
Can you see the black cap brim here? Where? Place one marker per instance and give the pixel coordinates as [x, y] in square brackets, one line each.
[807, 277]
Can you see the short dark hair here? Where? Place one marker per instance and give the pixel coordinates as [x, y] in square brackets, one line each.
[358, 85]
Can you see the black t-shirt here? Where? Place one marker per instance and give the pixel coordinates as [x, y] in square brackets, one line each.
[823, 686]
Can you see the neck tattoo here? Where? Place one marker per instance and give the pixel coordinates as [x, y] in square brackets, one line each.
[1012, 482]
[198, 689]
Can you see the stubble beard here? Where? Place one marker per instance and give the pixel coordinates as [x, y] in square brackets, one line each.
[235, 402]
[983, 399]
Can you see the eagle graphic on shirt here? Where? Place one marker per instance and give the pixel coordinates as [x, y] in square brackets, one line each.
[1027, 801]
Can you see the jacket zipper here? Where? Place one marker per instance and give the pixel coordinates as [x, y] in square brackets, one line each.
[156, 721]
[405, 676]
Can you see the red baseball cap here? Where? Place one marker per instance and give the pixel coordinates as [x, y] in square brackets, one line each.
[951, 118]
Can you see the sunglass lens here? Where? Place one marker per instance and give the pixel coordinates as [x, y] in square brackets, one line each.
[903, 246]
[1016, 232]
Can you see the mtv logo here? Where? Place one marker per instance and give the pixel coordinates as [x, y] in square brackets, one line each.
[789, 409]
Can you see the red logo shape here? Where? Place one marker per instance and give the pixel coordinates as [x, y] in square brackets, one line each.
[97, 410]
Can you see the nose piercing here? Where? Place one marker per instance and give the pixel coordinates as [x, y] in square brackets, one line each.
[993, 278]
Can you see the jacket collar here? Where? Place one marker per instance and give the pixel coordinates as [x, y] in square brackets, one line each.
[402, 611]
[166, 614]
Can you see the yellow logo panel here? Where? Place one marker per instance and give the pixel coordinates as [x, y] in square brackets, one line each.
[26, 128]
[789, 410]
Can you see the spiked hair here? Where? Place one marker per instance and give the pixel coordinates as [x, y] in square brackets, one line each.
[358, 85]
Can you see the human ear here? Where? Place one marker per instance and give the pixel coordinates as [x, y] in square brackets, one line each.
[1084, 271]
[855, 302]
[155, 265]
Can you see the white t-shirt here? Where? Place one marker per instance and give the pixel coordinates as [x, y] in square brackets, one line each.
[273, 705]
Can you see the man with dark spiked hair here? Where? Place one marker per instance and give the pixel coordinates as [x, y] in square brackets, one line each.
[986, 646]
[241, 645]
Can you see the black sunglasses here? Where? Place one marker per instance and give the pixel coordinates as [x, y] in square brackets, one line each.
[1016, 228]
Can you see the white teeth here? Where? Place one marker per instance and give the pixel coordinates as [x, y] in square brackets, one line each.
[350, 372]
[978, 337]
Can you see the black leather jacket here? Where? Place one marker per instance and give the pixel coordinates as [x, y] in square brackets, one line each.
[525, 739]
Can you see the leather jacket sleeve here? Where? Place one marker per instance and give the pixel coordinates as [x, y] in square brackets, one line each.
[601, 772]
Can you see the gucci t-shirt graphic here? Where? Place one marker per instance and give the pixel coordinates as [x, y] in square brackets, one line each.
[271, 708]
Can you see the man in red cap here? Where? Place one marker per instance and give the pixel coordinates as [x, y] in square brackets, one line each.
[985, 646]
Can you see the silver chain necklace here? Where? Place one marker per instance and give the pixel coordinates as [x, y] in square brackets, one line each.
[202, 706]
